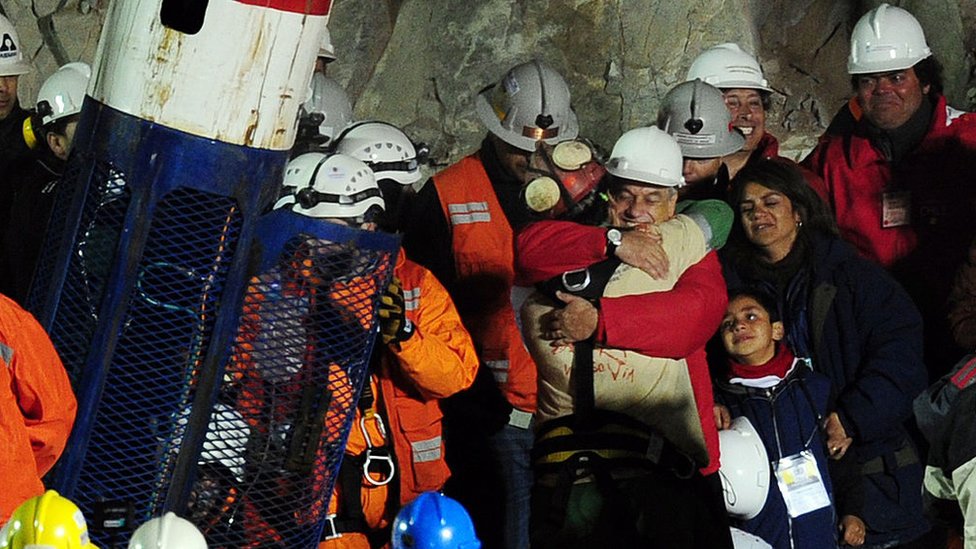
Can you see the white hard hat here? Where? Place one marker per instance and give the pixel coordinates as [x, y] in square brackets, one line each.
[745, 540]
[728, 66]
[336, 186]
[12, 61]
[167, 532]
[329, 99]
[326, 49]
[63, 93]
[886, 38]
[694, 113]
[745, 469]
[384, 148]
[530, 104]
[648, 155]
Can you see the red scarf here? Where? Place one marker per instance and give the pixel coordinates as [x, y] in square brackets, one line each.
[777, 366]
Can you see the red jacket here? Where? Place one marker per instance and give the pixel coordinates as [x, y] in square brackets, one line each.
[937, 174]
[675, 324]
[37, 406]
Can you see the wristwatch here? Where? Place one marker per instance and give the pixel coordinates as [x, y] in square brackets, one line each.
[614, 238]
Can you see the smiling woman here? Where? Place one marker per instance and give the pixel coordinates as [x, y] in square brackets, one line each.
[851, 317]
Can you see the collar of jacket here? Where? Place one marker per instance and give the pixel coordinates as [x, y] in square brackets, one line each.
[895, 144]
[861, 151]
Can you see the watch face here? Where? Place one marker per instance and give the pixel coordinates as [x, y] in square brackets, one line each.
[614, 236]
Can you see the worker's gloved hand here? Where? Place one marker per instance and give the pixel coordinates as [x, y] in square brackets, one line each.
[394, 325]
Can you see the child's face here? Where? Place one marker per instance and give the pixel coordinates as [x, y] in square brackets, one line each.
[748, 335]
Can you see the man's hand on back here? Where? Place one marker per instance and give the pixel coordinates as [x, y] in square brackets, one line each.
[574, 322]
[642, 248]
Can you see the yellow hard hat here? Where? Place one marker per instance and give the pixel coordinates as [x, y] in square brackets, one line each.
[46, 521]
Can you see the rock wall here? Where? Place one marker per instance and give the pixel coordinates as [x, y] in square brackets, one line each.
[419, 63]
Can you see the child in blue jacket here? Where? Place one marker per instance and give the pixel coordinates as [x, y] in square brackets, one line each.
[787, 402]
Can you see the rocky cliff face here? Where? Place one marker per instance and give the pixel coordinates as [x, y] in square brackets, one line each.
[419, 63]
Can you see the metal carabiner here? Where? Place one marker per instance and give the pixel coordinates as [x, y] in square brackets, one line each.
[376, 455]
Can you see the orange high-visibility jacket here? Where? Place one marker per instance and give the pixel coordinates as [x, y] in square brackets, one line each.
[436, 362]
[483, 249]
[37, 406]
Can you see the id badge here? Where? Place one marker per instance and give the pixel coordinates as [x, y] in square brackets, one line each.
[896, 209]
[800, 483]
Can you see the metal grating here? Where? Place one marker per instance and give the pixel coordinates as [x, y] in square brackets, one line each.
[277, 433]
[88, 266]
[140, 419]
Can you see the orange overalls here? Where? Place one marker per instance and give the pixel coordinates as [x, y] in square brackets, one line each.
[401, 408]
[37, 406]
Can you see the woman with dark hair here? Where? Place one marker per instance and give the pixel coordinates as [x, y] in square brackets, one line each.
[855, 322]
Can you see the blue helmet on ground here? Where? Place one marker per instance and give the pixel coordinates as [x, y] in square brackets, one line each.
[434, 521]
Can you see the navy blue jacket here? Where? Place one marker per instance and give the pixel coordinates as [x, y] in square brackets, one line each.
[787, 418]
[862, 331]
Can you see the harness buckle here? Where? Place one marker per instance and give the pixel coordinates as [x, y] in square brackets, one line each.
[382, 458]
[378, 454]
[330, 531]
[577, 280]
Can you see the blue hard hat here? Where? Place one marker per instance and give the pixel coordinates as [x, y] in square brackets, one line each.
[434, 521]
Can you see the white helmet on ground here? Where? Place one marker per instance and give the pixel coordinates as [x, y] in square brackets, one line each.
[12, 62]
[530, 104]
[336, 186]
[648, 155]
[167, 532]
[884, 39]
[728, 66]
[384, 148]
[63, 93]
[745, 540]
[329, 99]
[745, 469]
[695, 114]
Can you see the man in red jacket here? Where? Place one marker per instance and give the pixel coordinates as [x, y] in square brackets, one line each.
[896, 164]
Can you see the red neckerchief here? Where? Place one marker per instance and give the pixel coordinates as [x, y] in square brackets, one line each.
[777, 366]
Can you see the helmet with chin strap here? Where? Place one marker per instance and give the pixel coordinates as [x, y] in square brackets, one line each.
[745, 471]
[334, 186]
[384, 148]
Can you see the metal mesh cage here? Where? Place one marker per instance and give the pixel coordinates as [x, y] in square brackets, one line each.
[142, 414]
[101, 223]
[277, 434]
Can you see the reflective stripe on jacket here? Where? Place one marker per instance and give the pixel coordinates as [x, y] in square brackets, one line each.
[436, 362]
[482, 242]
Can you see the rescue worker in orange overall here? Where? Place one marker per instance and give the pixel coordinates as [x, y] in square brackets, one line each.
[395, 449]
[460, 225]
[37, 406]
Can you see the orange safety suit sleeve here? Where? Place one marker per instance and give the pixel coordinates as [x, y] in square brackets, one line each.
[439, 359]
[39, 383]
